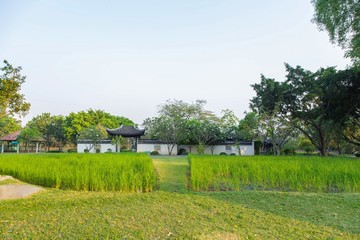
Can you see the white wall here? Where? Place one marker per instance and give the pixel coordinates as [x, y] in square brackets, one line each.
[149, 147]
[246, 150]
[103, 147]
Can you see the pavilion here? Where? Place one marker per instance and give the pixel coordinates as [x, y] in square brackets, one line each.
[13, 143]
[127, 132]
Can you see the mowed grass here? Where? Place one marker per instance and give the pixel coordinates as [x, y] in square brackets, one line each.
[86, 172]
[173, 212]
[303, 174]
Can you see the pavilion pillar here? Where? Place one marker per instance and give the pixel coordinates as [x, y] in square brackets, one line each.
[37, 147]
[18, 148]
[2, 147]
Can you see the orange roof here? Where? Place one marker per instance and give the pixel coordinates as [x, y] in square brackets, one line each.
[11, 137]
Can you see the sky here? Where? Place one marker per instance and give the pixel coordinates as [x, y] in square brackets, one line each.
[128, 57]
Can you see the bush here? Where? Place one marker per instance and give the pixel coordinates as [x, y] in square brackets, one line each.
[74, 150]
[223, 153]
[109, 150]
[232, 154]
[182, 151]
[55, 151]
[357, 154]
[86, 150]
[97, 151]
[289, 151]
[154, 153]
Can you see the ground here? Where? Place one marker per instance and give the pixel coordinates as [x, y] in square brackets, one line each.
[174, 212]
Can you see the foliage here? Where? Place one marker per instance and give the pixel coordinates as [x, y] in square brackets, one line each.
[11, 100]
[28, 135]
[8, 125]
[84, 172]
[170, 125]
[341, 19]
[302, 101]
[118, 141]
[91, 136]
[154, 153]
[76, 122]
[314, 174]
[204, 132]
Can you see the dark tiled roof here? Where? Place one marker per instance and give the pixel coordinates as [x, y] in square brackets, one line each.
[11, 137]
[126, 131]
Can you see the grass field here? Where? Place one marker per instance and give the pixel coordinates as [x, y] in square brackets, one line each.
[88, 172]
[174, 212]
[303, 174]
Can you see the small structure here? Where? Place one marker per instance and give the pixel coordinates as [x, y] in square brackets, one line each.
[13, 143]
[128, 132]
[107, 146]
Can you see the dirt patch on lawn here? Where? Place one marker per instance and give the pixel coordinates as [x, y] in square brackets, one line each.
[15, 191]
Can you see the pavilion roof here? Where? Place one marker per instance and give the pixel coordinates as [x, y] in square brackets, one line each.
[126, 131]
[11, 137]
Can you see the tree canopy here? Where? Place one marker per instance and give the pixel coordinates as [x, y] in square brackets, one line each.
[341, 19]
[309, 101]
[12, 102]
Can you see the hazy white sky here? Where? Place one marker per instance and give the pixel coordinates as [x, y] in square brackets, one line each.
[127, 57]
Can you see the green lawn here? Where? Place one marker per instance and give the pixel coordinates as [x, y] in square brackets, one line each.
[173, 212]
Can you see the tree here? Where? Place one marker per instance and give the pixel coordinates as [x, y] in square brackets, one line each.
[41, 122]
[341, 19]
[204, 132]
[11, 100]
[55, 131]
[118, 141]
[76, 122]
[91, 136]
[28, 135]
[170, 124]
[300, 101]
[8, 125]
[276, 130]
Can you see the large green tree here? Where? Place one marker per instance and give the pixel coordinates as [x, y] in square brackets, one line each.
[170, 124]
[12, 102]
[300, 101]
[341, 19]
[76, 122]
[8, 125]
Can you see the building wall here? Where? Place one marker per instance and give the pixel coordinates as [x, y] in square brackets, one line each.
[246, 150]
[161, 148]
[103, 147]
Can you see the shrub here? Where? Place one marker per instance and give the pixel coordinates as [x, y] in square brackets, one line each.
[154, 153]
[223, 153]
[74, 150]
[357, 154]
[86, 150]
[182, 151]
[97, 151]
[109, 150]
[232, 154]
[55, 151]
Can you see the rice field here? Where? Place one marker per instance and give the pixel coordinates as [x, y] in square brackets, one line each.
[85, 172]
[303, 174]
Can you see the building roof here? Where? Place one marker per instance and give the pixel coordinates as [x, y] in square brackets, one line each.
[11, 137]
[126, 131]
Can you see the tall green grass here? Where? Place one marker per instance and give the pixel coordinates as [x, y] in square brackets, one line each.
[310, 174]
[88, 172]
